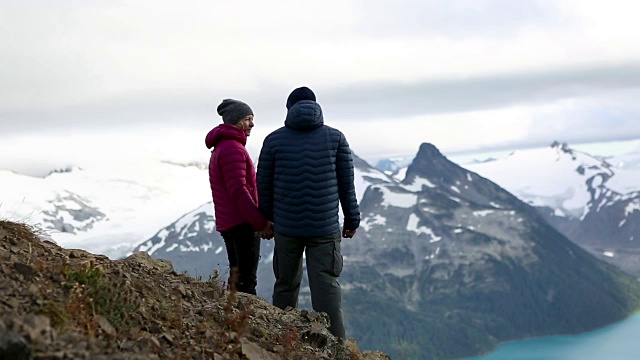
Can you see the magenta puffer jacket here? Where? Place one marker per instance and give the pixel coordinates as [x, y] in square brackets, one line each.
[233, 179]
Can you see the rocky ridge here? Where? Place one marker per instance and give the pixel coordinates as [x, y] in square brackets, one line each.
[60, 303]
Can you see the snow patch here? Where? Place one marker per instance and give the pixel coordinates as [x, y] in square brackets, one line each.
[482, 213]
[397, 199]
[433, 255]
[172, 247]
[363, 177]
[412, 225]
[418, 183]
[402, 173]
[156, 247]
[373, 220]
[191, 247]
[162, 234]
[631, 207]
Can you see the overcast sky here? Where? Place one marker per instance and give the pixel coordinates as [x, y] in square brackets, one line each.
[83, 80]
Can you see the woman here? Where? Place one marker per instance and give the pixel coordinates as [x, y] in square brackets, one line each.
[235, 196]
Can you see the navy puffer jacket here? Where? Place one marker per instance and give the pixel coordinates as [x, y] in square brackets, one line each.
[305, 170]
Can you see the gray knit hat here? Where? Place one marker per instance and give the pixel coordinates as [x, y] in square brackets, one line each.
[233, 111]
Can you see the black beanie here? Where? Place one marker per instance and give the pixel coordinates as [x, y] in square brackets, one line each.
[301, 93]
[233, 111]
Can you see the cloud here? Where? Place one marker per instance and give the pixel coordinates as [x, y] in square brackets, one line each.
[455, 19]
[354, 102]
[72, 53]
[463, 74]
[573, 120]
[487, 92]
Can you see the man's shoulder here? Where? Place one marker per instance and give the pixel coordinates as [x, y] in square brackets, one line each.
[333, 130]
[284, 133]
[276, 133]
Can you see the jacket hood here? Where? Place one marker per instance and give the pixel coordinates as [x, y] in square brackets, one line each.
[224, 131]
[304, 115]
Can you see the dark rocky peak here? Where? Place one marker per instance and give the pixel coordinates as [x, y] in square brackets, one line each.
[564, 147]
[439, 174]
[63, 170]
[430, 163]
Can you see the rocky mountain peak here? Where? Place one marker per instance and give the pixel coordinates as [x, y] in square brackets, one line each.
[432, 165]
[429, 163]
[429, 150]
[561, 146]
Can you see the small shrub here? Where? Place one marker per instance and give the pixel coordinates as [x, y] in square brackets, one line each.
[92, 292]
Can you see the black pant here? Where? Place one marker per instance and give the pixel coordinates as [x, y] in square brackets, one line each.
[243, 251]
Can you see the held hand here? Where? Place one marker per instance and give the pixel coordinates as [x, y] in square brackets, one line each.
[267, 232]
[348, 234]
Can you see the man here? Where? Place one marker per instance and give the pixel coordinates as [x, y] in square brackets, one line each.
[305, 170]
[233, 186]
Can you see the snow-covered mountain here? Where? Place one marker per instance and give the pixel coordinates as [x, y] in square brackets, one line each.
[106, 209]
[593, 202]
[461, 261]
[112, 207]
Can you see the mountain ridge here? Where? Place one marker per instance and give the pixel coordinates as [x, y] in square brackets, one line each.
[450, 252]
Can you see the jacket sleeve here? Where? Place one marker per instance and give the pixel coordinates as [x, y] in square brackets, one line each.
[346, 186]
[234, 167]
[265, 180]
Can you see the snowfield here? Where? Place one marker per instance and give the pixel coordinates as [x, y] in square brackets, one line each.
[136, 200]
[557, 178]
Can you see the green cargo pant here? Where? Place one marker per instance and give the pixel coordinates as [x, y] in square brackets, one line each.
[324, 265]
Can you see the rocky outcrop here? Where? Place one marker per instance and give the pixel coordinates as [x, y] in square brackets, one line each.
[70, 304]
